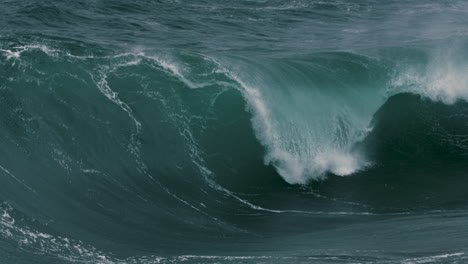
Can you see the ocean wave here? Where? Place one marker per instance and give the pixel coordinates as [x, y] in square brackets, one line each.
[161, 140]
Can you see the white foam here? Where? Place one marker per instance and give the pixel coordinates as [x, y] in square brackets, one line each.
[16, 179]
[17, 51]
[113, 96]
[432, 259]
[11, 54]
[444, 79]
[341, 164]
[42, 243]
[294, 169]
[176, 70]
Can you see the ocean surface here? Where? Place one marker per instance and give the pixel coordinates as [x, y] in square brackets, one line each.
[247, 131]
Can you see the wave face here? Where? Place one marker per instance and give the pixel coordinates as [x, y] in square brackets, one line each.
[247, 132]
[306, 119]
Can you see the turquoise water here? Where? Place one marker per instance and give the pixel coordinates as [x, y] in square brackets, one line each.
[247, 132]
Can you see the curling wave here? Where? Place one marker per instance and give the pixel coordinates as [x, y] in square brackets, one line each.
[193, 142]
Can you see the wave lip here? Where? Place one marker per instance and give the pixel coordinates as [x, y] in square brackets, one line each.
[308, 122]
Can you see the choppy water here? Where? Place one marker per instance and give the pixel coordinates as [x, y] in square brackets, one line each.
[246, 132]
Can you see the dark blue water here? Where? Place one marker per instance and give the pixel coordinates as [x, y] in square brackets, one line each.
[245, 132]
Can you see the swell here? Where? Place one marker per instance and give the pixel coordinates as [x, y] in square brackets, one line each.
[309, 113]
[150, 131]
[165, 137]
